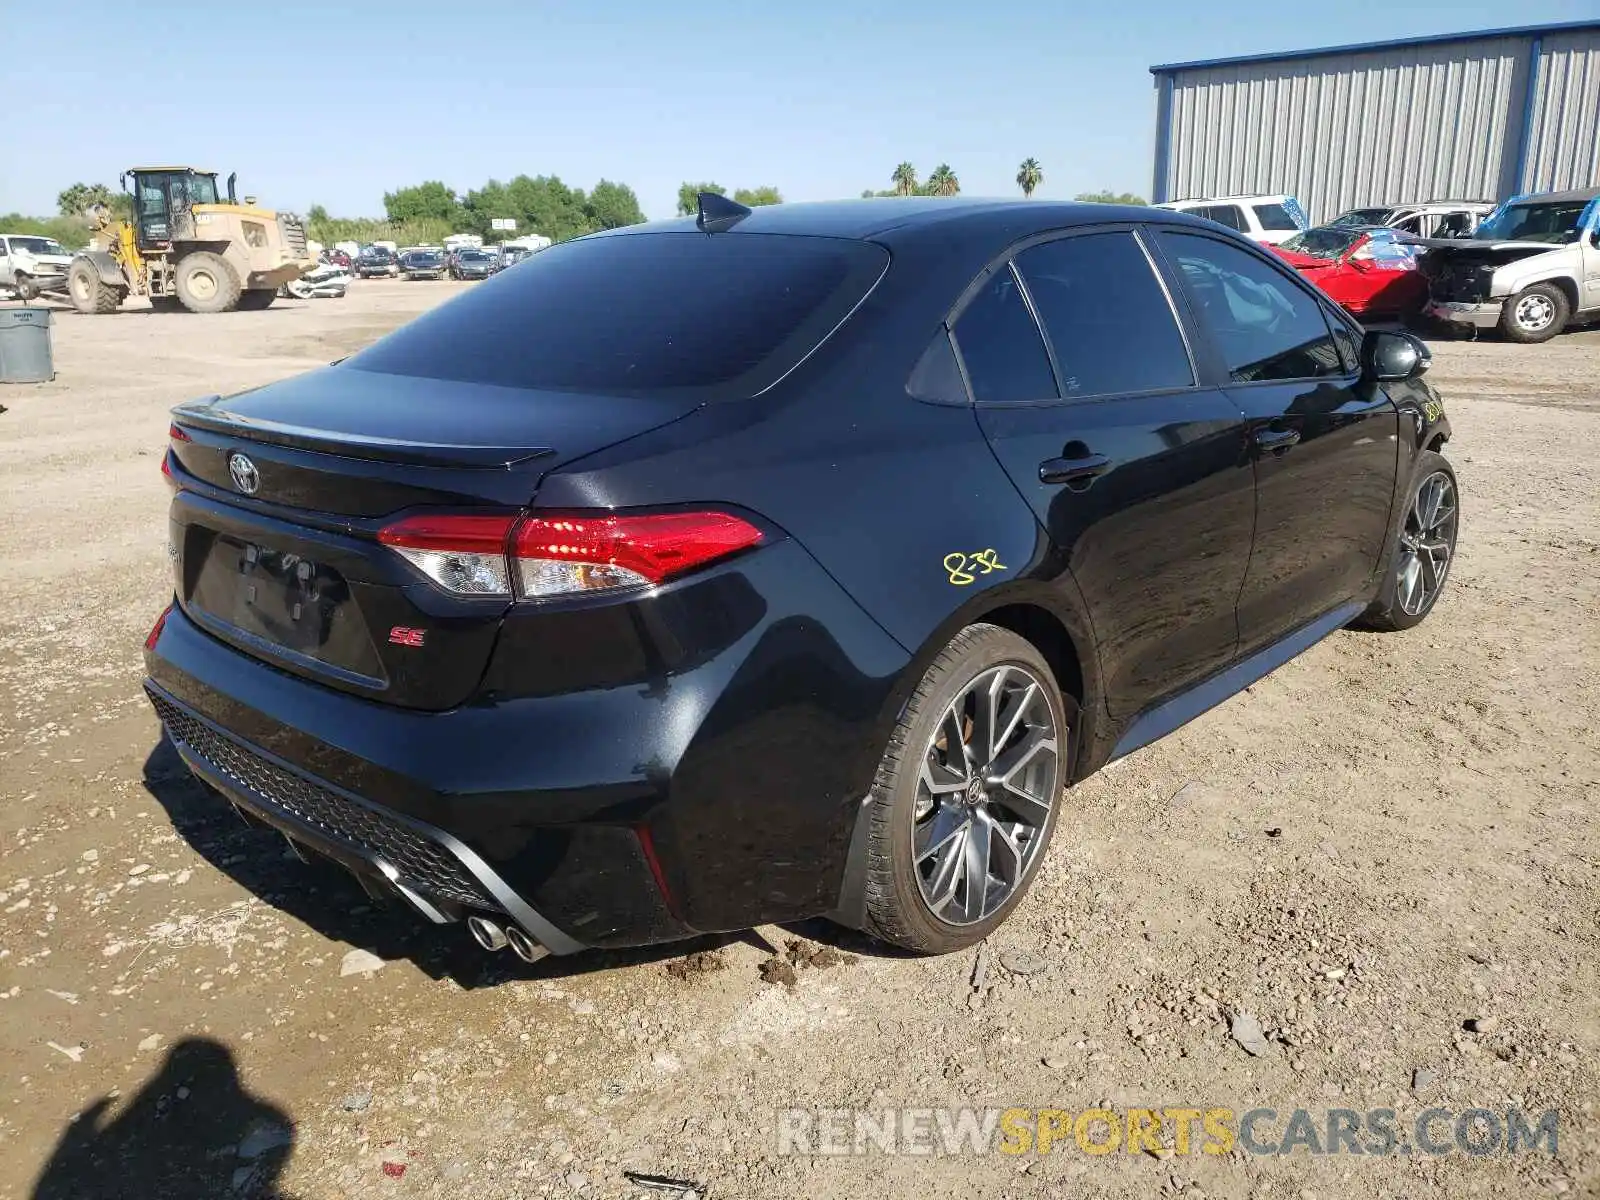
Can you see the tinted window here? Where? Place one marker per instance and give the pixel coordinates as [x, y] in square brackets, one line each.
[1275, 217]
[1107, 318]
[1264, 325]
[1001, 347]
[640, 313]
[1222, 214]
[937, 377]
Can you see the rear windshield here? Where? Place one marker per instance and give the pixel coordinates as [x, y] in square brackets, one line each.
[641, 313]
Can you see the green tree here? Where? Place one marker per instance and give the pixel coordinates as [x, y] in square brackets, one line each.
[1029, 176]
[612, 205]
[78, 199]
[317, 215]
[430, 200]
[71, 232]
[1110, 198]
[904, 179]
[689, 196]
[943, 181]
[756, 197]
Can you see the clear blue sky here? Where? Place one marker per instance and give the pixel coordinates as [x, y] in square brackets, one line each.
[337, 102]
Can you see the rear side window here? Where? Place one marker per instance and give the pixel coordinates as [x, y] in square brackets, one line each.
[1264, 325]
[1223, 214]
[1275, 218]
[1106, 316]
[640, 314]
[1001, 347]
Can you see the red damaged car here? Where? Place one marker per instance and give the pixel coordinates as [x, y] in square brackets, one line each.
[1366, 270]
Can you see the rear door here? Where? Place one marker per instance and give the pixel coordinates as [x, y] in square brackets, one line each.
[1138, 472]
[1325, 445]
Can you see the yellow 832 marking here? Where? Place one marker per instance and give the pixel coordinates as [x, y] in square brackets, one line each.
[965, 568]
[1433, 410]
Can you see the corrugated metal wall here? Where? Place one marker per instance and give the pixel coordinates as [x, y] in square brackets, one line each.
[1386, 125]
[1564, 135]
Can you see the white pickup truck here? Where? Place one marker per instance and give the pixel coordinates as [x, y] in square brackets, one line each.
[1532, 267]
[28, 261]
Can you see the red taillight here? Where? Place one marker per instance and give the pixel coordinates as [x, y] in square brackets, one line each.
[155, 632]
[561, 554]
[176, 433]
[464, 554]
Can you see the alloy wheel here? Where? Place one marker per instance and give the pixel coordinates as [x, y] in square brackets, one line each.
[989, 778]
[1428, 543]
[1534, 313]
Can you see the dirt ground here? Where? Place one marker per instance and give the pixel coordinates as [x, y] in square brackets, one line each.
[1388, 839]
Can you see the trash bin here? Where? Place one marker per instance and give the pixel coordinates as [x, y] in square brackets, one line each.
[25, 346]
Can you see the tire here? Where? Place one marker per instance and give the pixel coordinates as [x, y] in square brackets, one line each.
[205, 283]
[26, 291]
[256, 299]
[1535, 314]
[1417, 550]
[917, 896]
[88, 292]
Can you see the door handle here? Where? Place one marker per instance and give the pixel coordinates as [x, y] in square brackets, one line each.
[1276, 439]
[1080, 471]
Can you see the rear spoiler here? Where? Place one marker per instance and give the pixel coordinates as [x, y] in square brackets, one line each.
[200, 414]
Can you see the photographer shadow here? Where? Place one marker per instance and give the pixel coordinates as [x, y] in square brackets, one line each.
[193, 1132]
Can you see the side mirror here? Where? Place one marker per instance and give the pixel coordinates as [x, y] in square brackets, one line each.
[1393, 357]
[1360, 264]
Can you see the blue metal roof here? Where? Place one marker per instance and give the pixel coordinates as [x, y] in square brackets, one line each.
[1477, 35]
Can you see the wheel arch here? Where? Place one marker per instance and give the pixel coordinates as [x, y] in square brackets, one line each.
[1052, 618]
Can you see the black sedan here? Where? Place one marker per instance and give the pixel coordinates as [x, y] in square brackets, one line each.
[716, 572]
[376, 263]
[423, 264]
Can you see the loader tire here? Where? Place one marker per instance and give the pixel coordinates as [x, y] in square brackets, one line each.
[205, 283]
[90, 293]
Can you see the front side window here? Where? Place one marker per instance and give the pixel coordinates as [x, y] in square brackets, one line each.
[1276, 218]
[1001, 347]
[1106, 316]
[1265, 327]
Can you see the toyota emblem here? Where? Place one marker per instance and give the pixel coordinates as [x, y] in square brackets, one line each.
[245, 476]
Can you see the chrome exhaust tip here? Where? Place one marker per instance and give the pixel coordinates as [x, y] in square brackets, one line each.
[487, 934]
[523, 946]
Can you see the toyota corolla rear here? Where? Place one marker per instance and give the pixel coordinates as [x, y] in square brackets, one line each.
[385, 644]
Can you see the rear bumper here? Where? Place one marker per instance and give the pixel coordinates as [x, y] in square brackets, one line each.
[1481, 314]
[717, 795]
[435, 872]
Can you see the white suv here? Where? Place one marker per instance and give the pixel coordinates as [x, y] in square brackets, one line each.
[1269, 219]
[1433, 219]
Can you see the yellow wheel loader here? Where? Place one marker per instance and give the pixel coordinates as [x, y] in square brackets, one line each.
[188, 247]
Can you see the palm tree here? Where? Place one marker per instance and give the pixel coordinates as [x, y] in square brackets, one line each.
[943, 181]
[904, 180]
[1029, 176]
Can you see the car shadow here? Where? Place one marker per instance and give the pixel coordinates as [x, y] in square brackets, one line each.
[327, 898]
[193, 1132]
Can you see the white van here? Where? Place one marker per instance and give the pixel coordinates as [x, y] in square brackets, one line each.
[1269, 219]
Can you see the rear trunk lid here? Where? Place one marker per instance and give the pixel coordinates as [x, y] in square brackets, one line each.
[283, 489]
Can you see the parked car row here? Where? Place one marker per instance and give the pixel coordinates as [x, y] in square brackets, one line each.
[1528, 267]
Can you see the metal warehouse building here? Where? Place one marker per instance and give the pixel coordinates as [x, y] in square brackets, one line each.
[1461, 116]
